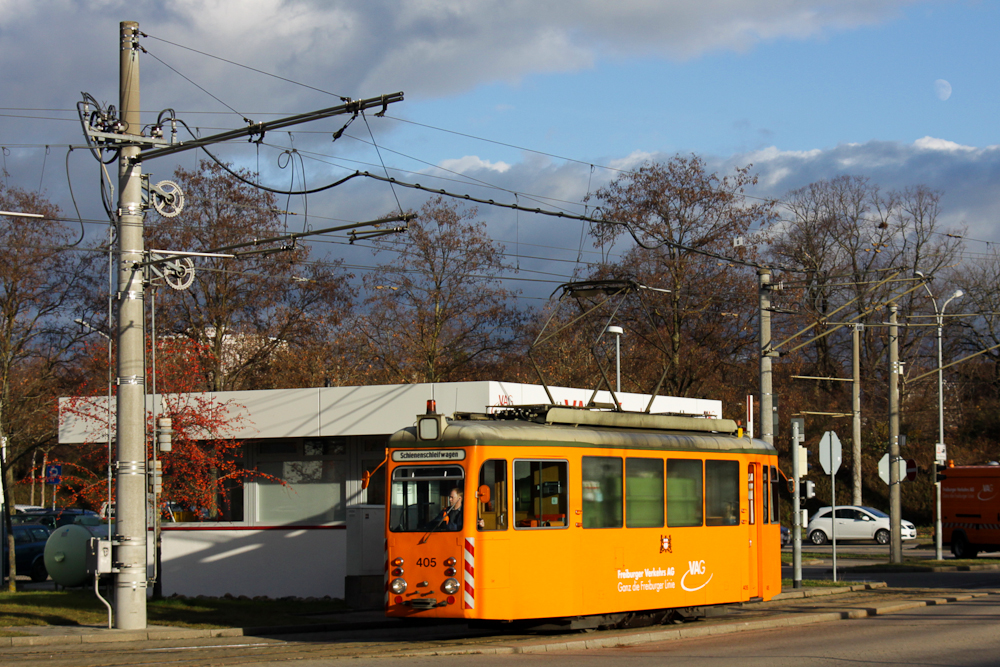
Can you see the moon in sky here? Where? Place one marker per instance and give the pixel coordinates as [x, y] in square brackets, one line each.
[942, 89]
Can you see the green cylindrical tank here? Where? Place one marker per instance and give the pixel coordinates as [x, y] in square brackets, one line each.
[66, 555]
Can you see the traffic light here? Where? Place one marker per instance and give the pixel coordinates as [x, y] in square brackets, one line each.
[807, 489]
[939, 469]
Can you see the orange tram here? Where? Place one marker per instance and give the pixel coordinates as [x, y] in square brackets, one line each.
[578, 518]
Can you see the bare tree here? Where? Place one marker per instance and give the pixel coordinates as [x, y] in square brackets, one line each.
[684, 220]
[42, 285]
[437, 311]
[244, 312]
[847, 236]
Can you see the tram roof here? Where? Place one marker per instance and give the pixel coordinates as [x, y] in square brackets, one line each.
[491, 431]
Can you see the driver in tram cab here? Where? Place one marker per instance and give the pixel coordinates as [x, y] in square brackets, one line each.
[451, 518]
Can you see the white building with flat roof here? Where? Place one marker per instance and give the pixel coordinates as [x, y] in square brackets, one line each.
[319, 533]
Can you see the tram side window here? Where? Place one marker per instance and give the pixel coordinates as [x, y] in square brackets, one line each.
[493, 513]
[643, 493]
[540, 492]
[684, 498]
[775, 487]
[765, 496]
[722, 493]
[602, 491]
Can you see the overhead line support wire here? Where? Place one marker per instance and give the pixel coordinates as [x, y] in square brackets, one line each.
[252, 69]
[571, 216]
[853, 320]
[775, 347]
[949, 365]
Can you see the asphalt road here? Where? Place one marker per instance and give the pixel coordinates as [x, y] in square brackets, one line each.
[964, 634]
[810, 618]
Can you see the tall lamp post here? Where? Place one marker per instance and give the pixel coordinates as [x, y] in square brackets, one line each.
[937, 485]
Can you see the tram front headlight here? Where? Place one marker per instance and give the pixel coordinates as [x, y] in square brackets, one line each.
[398, 586]
[450, 586]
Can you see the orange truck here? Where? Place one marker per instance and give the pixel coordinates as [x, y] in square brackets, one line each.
[970, 509]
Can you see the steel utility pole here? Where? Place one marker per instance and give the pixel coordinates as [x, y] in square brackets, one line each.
[766, 397]
[130, 460]
[124, 132]
[896, 544]
[856, 415]
[797, 472]
[939, 314]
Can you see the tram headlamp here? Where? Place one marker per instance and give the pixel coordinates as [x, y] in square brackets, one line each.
[450, 586]
[398, 586]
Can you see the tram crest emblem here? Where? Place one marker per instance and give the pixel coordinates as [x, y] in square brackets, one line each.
[665, 544]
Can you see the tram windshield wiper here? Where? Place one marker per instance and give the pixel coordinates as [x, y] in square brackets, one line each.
[437, 524]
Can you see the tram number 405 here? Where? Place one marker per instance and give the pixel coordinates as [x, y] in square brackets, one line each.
[427, 562]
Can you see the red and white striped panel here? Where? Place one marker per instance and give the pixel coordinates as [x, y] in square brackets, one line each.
[385, 576]
[470, 573]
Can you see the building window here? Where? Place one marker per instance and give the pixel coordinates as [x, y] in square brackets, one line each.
[301, 481]
[602, 492]
[643, 493]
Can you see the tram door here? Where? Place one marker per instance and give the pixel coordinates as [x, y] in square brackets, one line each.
[756, 489]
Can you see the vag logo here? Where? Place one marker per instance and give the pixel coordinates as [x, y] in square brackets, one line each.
[696, 568]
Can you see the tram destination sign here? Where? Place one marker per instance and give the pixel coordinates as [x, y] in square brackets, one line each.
[417, 455]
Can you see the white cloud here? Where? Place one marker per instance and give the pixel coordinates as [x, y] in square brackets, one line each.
[425, 47]
[966, 176]
[632, 161]
[473, 163]
[932, 144]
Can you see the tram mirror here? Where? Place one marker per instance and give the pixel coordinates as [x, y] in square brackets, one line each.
[484, 494]
[366, 479]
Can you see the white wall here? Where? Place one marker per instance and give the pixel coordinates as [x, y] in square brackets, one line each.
[303, 562]
[379, 409]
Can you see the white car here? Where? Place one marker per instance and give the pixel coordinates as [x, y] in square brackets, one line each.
[855, 522]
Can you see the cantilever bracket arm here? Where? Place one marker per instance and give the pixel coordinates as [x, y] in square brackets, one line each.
[351, 106]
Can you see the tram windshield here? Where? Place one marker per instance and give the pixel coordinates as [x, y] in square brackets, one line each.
[427, 498]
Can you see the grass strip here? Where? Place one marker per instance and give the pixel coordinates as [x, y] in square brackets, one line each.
[77, 607]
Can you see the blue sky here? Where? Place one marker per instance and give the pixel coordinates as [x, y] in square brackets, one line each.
[847, 86]
[802, 89]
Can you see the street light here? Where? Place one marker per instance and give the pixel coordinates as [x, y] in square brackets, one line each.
[617, 331]
[937, 484]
